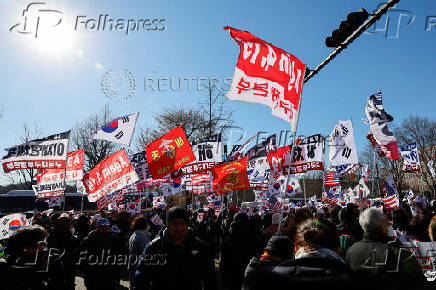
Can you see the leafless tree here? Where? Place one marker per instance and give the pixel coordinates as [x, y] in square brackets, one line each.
[422, 131]
[24, 177]
[95, 150]
[201, 121]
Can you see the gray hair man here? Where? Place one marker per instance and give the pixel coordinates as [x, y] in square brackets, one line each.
[380, 257]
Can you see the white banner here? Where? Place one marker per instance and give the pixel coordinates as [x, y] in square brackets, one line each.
[46, 153]
[411, 158]
[342, 147]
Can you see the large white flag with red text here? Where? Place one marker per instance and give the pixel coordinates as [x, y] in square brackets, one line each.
[266, 74]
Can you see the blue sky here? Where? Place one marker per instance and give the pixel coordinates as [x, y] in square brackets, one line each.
[57, 87]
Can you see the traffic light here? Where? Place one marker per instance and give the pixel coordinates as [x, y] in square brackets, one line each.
[346, 28]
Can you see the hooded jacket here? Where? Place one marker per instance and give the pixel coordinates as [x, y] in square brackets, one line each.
[165, 265]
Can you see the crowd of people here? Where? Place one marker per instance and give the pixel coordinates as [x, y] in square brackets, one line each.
[310, 247]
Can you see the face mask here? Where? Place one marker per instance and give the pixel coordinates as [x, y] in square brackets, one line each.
[391, 231]
[73, 230]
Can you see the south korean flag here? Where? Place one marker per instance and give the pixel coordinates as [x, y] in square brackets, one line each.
[119, 130]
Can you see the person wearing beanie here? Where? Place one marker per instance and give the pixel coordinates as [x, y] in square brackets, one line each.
[279, 249]
[176, 258]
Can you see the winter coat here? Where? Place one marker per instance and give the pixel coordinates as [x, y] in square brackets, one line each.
[386, 262]
[314, 270]
[236, 252]
[25, 274]
[165, 265]
[101, 257]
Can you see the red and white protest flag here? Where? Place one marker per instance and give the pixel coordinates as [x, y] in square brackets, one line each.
[266, 74]
[379, 134]
[113, 173]
[73, 171]
[119, 130]
[45, 153]
[169, 153]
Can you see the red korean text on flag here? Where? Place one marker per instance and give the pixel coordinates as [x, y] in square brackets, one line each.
[73, 171]
[266, 74]
[169, 153]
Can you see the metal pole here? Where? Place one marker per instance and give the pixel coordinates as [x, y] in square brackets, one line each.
[304, 188]
[353, 36]
[373, 175]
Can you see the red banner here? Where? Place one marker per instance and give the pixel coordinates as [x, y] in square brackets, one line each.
[113, 173]
[74, 170]
[230, 176]
[267, 75]
[169, 153]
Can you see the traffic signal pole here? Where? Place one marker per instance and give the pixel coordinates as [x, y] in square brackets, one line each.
[353, 36]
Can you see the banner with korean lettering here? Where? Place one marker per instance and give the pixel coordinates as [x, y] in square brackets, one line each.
[46, 153]
[230, 176]
[113, 173]
[266, 74]
[411, 158]
[207, 152]
[73, 171]
[139, 162]
[308, 155]
[49, 190]
[169, 153]
[342, 153]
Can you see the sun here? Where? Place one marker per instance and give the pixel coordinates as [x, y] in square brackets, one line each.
[56, 42]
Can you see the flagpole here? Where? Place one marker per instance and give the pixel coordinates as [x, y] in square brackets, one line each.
[292, 154]
[81, 204]
[323, 170]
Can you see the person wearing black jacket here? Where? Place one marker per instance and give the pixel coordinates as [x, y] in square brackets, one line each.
[28, 265]
[102, 256]
[382, 258]
[176, 259]
[278, 250]
[237, 250]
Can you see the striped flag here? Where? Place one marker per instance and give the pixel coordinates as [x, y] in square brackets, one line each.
[274, 204]
[329, 199]
[105, 200]
[330, 179]
[391, 199]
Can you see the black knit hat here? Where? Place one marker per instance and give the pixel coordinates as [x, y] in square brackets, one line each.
[177, 212]
[280, 246]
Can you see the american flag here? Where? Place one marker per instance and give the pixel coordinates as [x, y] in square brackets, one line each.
[104, 201]
[329, 199]
[274, 204]
[331, 179]
[391, 198]
[199, 183]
